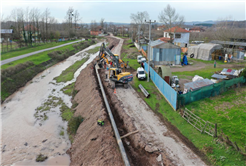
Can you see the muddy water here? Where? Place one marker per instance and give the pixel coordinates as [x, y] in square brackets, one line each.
[23, 136]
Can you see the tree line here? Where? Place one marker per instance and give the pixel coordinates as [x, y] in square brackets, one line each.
[35, 26]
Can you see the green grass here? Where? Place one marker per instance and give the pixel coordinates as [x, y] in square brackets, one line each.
[219, 153]
[37, 58]
[228, 111]
[94, 50]
[205, 73]
[68, 74]
[68, 89]
[132, 62]
[26, 50]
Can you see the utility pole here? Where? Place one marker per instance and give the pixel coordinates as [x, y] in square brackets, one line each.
[149, 22]
[138, 36]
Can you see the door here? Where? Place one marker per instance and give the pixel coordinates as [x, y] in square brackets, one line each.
[167, 79]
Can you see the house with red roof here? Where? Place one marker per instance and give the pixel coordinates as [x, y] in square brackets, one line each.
[197, 29]
[179, 35]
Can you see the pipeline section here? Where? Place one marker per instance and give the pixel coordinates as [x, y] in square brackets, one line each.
[145, 92]
[116, 132]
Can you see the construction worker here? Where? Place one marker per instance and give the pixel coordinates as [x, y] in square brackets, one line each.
[214, 63]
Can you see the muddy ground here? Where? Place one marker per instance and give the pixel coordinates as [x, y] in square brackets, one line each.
[93, 144]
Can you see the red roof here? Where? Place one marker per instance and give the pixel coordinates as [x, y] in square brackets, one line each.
[30, 27]
[176, 29]
[165, 39]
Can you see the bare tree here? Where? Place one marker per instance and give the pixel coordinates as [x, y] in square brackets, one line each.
[76, 20]
[170, 18]
[139, 19]
[102, 23]
[69, 21]
[46, 19]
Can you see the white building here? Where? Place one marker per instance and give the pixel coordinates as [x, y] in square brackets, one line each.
[180, 37]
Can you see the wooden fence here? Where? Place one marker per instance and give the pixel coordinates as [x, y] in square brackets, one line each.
[209, 128]
[200, 124]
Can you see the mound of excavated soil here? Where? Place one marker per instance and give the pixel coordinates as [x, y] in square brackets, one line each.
[113, 42]
[93, 144]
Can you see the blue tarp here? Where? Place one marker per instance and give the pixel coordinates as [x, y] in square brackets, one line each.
[185, 60]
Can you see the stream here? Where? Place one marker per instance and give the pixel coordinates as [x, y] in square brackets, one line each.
[23, 135]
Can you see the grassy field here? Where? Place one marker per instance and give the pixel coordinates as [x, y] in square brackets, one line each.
[94, 50]
[26, 50]
[228, 111]
[37, 58]
[217, 152]
[68, 74]
[205, 73]
[125, 55]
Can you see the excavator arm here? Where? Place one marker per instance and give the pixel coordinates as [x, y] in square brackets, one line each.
[104, 53]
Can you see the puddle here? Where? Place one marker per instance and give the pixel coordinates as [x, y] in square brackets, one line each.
[23, 136]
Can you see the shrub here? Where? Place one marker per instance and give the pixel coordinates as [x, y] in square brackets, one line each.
[244, 72]
[73, 124]
[41, 158]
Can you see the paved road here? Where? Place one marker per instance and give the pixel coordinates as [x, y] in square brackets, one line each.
[32, 53]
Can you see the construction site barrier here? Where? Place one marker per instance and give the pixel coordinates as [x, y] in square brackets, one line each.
[116, 132]
[209, 91]
[145, 92]
[166, 90]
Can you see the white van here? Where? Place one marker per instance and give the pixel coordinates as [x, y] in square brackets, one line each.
[141, 74]
[139, 58]
[143, 60]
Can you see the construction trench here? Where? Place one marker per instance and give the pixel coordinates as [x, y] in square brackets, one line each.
[97, 145]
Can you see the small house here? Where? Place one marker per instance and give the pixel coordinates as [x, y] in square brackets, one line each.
[180, 36]
[162, 53]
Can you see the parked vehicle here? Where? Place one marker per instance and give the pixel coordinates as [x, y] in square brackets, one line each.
[139, 58]
[141, 74]
[143, 60]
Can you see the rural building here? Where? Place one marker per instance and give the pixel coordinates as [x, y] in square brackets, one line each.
[162, 53]
[237, 49]
[204, 51]
[180, 36]
[197, 29]
[165, 73]
[6, 34]
[161, 28]
[30, 29]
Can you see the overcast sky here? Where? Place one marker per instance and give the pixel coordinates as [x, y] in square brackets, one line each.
[119, 11]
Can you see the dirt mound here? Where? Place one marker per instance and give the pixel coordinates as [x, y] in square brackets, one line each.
[93, 144]
[112, 42]
[138, 150]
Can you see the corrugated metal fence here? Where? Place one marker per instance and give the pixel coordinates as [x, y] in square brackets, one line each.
[168, 92]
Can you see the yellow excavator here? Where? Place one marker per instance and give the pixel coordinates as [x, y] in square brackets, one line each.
[116, 76]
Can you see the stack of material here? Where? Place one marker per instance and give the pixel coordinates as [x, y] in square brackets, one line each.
[192, 86]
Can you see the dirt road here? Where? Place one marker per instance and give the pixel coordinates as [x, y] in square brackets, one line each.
[152, 128]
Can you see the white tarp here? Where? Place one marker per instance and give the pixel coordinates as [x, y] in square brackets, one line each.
[196, 77]
[203, 51]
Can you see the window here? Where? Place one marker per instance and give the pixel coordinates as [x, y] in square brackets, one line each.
[178, 35]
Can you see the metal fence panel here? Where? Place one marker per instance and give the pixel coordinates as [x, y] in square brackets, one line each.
[168, 92]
